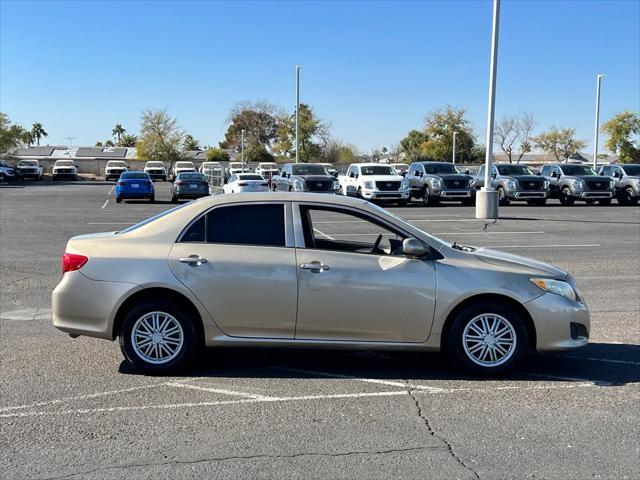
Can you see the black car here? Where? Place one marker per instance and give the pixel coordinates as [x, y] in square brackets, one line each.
[189, 185]
[569, 182]
[305, 177]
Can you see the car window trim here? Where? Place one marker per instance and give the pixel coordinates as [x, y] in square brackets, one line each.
[288, 222]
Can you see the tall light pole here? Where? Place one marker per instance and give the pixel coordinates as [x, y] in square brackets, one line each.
[242, 148]
[298, 67]
[455, 134]
[487, 197]
[595, 133]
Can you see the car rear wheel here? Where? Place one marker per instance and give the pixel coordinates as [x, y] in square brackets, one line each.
[152, 199]
[628, 197]
[487, 338]
[565, 197]
[158, 337]
[118, 200]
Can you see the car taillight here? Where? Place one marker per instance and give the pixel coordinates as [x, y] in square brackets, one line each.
[72, 262]
[122, 184]
[206, 184]
[179, 182]
[242, 184]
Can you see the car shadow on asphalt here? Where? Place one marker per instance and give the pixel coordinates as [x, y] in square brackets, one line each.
[569, 220]
[603, 364]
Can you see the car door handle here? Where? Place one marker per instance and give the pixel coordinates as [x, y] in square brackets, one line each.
[193, 260]
[315, 266]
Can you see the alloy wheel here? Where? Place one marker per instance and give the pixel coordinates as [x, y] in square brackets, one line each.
[489, 340]
[157, 337]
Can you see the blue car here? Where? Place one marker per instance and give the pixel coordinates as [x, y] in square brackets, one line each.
[135, 185]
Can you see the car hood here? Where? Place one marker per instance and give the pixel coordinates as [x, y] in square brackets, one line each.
[382, 178]
[313, 178]
[508, 260]
[589, 177]
[524, 178]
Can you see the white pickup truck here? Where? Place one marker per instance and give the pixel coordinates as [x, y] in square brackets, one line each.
[374, 181]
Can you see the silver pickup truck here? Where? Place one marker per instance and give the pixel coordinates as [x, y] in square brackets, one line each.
[432, 182]
[516, 183]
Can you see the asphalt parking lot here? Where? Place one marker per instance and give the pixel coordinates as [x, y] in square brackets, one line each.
[72, 409]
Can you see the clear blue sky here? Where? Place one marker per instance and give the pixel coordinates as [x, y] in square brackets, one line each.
[372, 69]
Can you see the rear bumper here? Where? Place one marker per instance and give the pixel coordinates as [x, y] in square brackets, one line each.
[134, 193]
[82, 306]
[192, 194]
[559, 322]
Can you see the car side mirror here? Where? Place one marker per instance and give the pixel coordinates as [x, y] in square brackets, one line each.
[356, 175]
[412, 247]
[617, 175]
[335, 174]
[466, 171]
[494, 175]
[554, 174]
[418, 174]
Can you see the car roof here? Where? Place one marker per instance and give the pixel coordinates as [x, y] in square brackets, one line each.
[371, 164]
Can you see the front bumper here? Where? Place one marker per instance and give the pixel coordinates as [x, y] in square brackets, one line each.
[559, 322]
[385, 195]
[448, 193]
[57, 173]
[157, 174]
[587, 194]
[527, 194]
[82, 306]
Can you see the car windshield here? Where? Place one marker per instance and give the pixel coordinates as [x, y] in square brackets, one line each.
[191, 176]
[514, 170]
[64, 163]
[404, 222]
[235, 165]
[377, 170]
[184, 165]
[400, 167]
[577, 170]
[313, 169]
[151, 219]
[435, 168]
[116, 164]
[632, 170]
[268, 166]
[135, 176]
[250, 176]
[154, 164]
[27, 163]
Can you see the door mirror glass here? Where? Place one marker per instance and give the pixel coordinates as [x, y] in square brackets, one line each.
[494, 175]
[412, 247]
[466, 171]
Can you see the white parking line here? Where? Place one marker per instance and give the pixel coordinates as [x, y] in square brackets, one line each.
[561, 245]
[219, 390]
[104, 204]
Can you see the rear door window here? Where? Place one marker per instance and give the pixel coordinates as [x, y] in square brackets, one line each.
[256, 224]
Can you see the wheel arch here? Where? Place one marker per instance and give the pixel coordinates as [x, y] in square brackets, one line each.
[495, 298]
[157, 293]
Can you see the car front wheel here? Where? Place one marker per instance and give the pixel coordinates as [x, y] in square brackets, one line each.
[158, 337]
[487, 338]
[565, 197]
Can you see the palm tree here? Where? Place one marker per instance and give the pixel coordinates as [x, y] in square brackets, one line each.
[118, 131]
[109, 143]
[37, 132]
[128, 140]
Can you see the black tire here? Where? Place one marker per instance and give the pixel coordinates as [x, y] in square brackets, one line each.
[174, 199]
[185, 353]
[152, 199]
[566, 198]
[628, 197]
[118, 200]
[502, 197]
[605, 202]
[75, 178]
[427, 199]
[164, 179]
[359, 193]
[454, 341]
[537, 202]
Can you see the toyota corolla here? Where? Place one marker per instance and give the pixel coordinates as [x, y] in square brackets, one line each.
[180, 281]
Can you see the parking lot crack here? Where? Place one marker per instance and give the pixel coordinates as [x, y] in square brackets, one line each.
[433, 433]
[174, 461]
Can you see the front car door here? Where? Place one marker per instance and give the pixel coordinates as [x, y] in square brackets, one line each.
[239, 260]
[349, 289]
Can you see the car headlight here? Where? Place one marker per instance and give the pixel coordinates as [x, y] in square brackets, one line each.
[545, 184]
[556, 286]
[472, 182]
[298, 185]
[436, 183]
[511, 185]
[612, 184]
[335, 185]
[577, 184]
[368, 185]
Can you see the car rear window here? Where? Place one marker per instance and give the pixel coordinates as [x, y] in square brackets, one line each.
[250, 177]
[135, 175]
[191, 176]
[255, 224]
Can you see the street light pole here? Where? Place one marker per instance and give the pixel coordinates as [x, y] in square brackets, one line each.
[298, 67]
[487, 197]
[242, 148]
[455, 134]
[595, 133]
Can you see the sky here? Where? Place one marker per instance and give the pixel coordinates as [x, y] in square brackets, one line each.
[371, 69]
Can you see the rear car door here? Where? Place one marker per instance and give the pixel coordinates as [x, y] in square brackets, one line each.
[351, 290]
[239, 260]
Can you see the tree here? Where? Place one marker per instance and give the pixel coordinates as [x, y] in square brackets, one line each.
[12, 135]
[128, 140]
[118, 131]
[439, 128]
[37, 131]
[160, 137]
[216, 155]
[257, 119]
[411, 145]
[109, 143]
[99, 144]
[621, 129]
[336, 151]
[258, 153]
[559, 142]
[313, 137]
[190, 143]
[513, 134]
